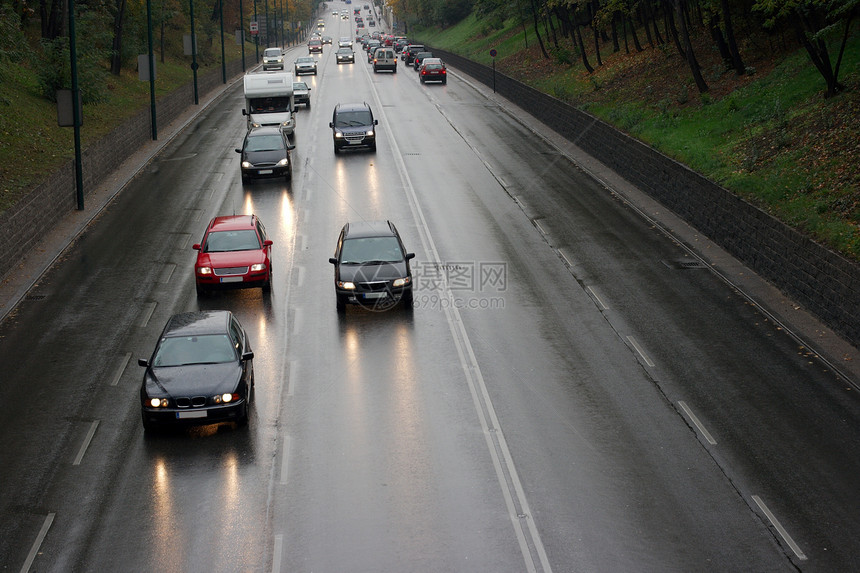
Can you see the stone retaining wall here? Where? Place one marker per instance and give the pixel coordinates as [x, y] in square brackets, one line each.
[24, 224]
[825, 283]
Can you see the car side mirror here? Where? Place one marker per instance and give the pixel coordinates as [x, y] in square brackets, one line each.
[331, 124]
[244, 112]
[238, 150]
[143, 362]
[196, 246]
[268, 243]
[247, 356]
[375, 122]
[410, 256]
[333, 260]
[290, 147]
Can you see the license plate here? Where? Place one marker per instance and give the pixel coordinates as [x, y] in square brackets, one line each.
[264, 172]
[375, 295]
[231, 279]
[192, 414]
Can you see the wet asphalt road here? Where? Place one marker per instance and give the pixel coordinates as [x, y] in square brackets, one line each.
[573, 390]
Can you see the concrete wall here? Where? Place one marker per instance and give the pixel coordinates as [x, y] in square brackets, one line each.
[825, 283]
[23, 225]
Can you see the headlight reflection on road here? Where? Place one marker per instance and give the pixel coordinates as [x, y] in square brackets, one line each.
[167, 538]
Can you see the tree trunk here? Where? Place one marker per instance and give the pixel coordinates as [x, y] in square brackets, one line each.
[537, 29]
[737, 61]
[688, 48]
[594, 7]
[581, 45]
[51, 17]
[116, 53]
[636, 43]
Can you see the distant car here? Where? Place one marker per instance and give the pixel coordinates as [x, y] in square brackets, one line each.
[353, 126]
[302, 93]
[265, 152]
[201, 372]
[371, 267]
[370, 54]
[326, 40]
[273, 59]
[371, 45]
[432, 70]
[344, 55]
[315, 46]
[407, 54]
[344, 42]
[305, 65]
[235, 252]
[371, 23]
[416, 60]
[384, 58]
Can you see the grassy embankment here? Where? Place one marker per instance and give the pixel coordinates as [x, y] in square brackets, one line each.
[769, 136]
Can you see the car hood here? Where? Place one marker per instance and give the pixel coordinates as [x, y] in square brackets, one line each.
[193, 380]
[369, 273]
[257, 157]
[231, 259]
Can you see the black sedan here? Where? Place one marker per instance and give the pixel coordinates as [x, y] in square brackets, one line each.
[201, 372]
[266, 153]
[371, 267]
[345, 55]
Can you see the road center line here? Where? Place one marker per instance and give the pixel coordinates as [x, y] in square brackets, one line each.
[86, 444]
[697, 423]
[640, 351]
[37, 544]
[785, 536]
[123, 362]
[147, 313]
[533, 552]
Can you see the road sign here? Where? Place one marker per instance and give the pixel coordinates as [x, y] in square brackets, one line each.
[255, 28]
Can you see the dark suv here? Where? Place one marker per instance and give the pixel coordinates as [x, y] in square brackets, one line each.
[408, 53]
[353, 126]
[371, 267]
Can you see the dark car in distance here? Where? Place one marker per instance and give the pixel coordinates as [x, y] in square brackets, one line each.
[371, 267]
[345, 55]
[235, 252]
[265, 152]
[302, 93]
[353, 126]
[201, 372]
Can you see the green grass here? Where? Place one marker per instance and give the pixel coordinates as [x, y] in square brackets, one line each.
[773, 139]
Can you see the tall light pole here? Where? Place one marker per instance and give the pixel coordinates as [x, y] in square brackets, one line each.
[242, 32]
[194, 65]
[153, 117]
[223, 63]
[256, 36]
[76, 110]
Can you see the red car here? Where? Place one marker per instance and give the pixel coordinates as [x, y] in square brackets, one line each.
[432, 70]
[235, 253]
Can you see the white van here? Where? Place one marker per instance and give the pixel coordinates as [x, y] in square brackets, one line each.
[384, 58]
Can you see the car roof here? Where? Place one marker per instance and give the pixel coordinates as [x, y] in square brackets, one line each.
[197, 323]
[353, 106]
[432, 60]
[232, 222]
[361, 229]
[265, 130]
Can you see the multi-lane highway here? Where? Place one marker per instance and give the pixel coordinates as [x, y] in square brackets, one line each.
[573, 391]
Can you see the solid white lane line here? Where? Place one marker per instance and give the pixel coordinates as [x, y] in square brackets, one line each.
[167, 273]
[291, 377]
[640, 351]
[37, 544]
[117, 374]
[778, 526]
[697, 423]
[597, 298]
[532, 549]
[86, 444]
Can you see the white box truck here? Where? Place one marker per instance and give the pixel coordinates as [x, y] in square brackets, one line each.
[269, 100]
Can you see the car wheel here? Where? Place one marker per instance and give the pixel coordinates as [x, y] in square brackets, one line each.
[395, 69]
[242, 420]
[421, 79]
[373, 147]
[309, 105]
[444, 82]
[408, 300]
[374, 69]
[200, 290]
[340, 304]
[336, 149]
[267, 286]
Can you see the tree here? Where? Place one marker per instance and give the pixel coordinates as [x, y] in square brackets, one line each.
[814, 23]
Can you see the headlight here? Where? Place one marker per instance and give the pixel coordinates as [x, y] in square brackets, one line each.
[225, 398]
[258, 267]
[283, 162]
[255, 124]
[204, 271]
[158, 402]
[338, 134]
[246, 164]
[346, 285]
[287, 123]
[401, 282]
[369, 132]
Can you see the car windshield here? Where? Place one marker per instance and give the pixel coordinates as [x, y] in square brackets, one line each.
[353, 118]
[432, 66]
[272, 52]
[226, 241]
[277, 104]
[304, 60]
[371, 250]
[300, 86]
[264, 143]
[186, 350]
